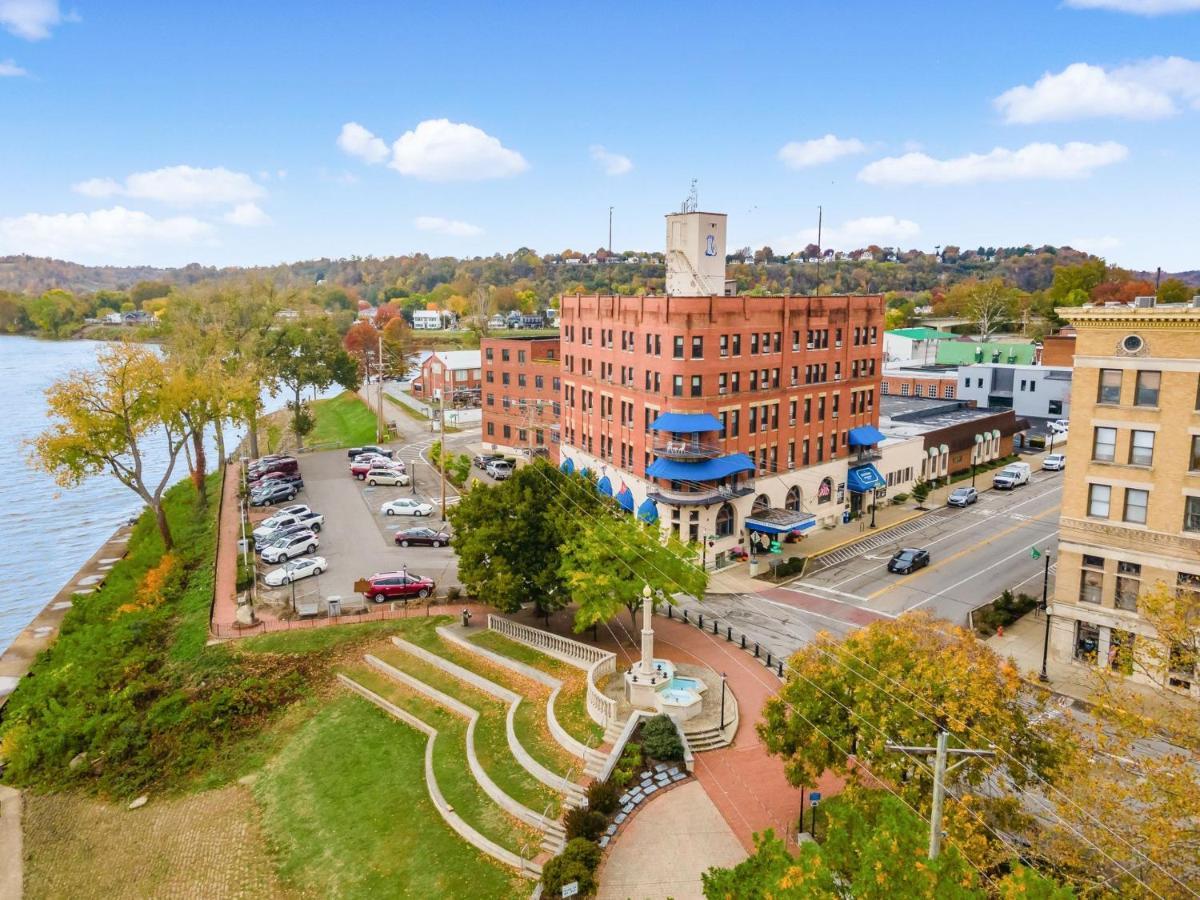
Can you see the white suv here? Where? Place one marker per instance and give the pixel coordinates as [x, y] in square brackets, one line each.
[290, 547]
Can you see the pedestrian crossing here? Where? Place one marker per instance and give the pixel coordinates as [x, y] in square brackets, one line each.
[874, 542]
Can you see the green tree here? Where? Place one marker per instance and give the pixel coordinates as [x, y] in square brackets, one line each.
[53, 313]
[507, 536]
[1175, 291]
[101, 419]
[1076, 283]
[307, 354]
[613, 556]
[875, 850]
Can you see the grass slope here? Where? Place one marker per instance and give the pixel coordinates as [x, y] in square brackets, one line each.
[348, 814]
[571, 705]
[343, 421]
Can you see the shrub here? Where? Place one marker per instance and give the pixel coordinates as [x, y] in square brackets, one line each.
[621, 777]
[631, 756]
[577, 862]
[602, 796]
[453, 593]
[920, 491]
[660, 738]
[584, 823]
[900, 498]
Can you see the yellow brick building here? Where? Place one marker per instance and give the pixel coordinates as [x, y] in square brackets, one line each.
[1131, 491]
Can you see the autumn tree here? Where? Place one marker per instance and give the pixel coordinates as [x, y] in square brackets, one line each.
[1073, 285]
[399, 348]
[612, 556]
[102, 419]
[989, 305]
[308, 354]
[1128, 808]
[362, 342]
[903, 680]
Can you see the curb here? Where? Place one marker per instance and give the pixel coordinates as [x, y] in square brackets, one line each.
[846, 543]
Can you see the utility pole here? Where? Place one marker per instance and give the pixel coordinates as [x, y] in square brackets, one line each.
[940, 771]
[610, 212]
[379, 422]
[442, 455]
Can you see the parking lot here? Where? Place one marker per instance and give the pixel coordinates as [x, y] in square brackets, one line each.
[357, 540]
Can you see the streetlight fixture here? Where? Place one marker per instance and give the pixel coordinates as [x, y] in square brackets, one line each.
[874, 503]
[722, 728]
[1044, 676]
[975, 456]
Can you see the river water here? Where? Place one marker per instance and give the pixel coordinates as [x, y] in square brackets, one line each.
[49, 532]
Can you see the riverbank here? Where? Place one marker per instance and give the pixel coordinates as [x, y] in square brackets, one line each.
[18, 658]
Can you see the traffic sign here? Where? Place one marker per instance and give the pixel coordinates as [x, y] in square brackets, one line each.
[814, 798]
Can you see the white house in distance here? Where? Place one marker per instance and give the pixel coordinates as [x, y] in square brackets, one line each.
[432, 319]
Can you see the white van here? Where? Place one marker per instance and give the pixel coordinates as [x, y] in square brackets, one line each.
[1011, 476]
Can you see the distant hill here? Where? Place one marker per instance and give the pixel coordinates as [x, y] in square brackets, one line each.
[873, 269]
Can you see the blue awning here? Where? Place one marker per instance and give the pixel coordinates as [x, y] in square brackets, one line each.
[567, 466]
[625, 499]
[584, 473]
[703, 470]
[604, 486]
[648, 511]
[686, 423]
[863, 479]
[781, 522]
[866, 436]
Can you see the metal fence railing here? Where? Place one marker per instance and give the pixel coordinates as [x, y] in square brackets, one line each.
[770, 659]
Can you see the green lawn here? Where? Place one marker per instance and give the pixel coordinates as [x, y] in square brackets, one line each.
[343, 421]
[571, 706]
[320, 640]
[450, 765]
[530, 720]
[347, 814]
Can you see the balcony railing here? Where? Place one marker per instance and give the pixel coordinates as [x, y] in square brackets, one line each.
[684, 449]
[715, 494]
[867, 454]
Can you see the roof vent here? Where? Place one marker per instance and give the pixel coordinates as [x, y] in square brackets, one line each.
[1143, 302]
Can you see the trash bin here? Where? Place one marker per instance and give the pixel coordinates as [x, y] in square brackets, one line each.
[753, 566]
[845, 517]
[334, 605]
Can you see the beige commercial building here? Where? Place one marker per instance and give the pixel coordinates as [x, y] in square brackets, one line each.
[1131, 493]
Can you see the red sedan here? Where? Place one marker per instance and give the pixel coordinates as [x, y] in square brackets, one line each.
[360, 468]
[397, 586]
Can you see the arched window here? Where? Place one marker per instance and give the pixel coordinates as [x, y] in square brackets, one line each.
[725, 520]
[793, 499]
[761, 504]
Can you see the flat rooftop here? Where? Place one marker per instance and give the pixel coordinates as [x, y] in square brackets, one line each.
[912, 416]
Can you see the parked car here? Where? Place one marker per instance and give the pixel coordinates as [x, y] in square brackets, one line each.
[273, 493]
[386, 476]
[262, 543]
[284, 466]
[908, 560]
[406, 506]
[273, 524]
[257, 465]
[370, 448]
[398, 586]
[1060, 426]
[481, 460]
[291, 546]
[425, 537]
[294, 510]
[499, 469]
[294, 570]
[962, 496]
[278, 478]
[1055, 462]
[1011, 476]
[360, 469]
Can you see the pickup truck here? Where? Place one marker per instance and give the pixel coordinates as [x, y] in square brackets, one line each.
[1011, 476]
[370, 448]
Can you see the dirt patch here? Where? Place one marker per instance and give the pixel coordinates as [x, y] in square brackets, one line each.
[207, 845]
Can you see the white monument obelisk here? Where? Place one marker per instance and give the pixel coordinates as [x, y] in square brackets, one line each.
[647, 665]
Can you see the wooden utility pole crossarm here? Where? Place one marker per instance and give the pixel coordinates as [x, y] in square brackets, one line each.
[940, 771]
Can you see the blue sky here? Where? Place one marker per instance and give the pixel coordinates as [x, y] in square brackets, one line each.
[218, 132]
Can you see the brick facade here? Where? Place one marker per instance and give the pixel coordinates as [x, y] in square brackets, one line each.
[521, 394]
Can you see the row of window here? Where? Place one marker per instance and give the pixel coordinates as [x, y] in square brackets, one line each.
[547, 408]
[1135, 506]
[1145, 388]
[539, 436]
[920, 390]
[727, 344]
[727, 382]
[539, 381]
[1141, 447]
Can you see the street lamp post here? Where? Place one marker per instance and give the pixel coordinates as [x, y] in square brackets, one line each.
[722, 701]
[874, 503]
[1044, 676]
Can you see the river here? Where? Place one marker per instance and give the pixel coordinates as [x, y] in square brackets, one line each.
[51, 531]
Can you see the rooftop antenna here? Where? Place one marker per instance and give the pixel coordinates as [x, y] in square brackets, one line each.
[820, 253]
[692, 203]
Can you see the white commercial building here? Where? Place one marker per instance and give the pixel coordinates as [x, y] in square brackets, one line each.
[1036, 392]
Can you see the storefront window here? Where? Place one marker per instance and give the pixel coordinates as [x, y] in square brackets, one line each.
[1087, 641]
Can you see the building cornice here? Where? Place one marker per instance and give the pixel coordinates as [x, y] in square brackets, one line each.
[1140, 317]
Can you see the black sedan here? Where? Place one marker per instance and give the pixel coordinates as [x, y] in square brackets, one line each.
[908, 560]
[481, 460]
[426, 537]
[273, 492]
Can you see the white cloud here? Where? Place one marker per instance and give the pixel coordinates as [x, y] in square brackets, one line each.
[452, 227]
[31, 19]
[436, 150]
[103, 235]
[801, 154]
[178, 186]
[357, 141]
[887, 231]
[610, 163]
[1045, 161]
[9, 69]
[1139, 7]
[248, 215]
[1143, 90]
